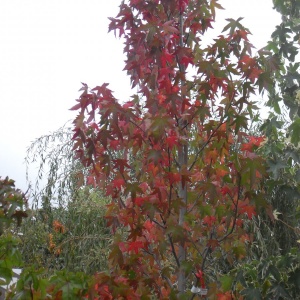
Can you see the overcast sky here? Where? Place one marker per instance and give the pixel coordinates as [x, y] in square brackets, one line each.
[48, 47]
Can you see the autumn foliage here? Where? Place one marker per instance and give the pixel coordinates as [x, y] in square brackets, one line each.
[176, 158]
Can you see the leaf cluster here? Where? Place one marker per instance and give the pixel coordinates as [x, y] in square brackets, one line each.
[275, 277]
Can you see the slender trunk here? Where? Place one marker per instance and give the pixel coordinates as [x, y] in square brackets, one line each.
[182, 160]
[182, 157]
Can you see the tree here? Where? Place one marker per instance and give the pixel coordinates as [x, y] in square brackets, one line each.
[73, 238]
[13, 204]
[282, 147]
[272, 268]
[65, 232]
[176, 159]
[66, 229]
[59, 174]
[12, 211]
[180, 165]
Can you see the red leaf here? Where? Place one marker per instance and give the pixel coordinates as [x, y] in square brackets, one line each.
[114, 144]
[186, 61]
[174, 177]
[139, 201]
[118, 183]
[91, 181]
[256, 140]
[225, 296]
[168, 28]
[200, 276]
[247, 61]
[254, 74]
[213, 244]
[182, 4]
[166, 57]
[247, 147]
[250, 211]
[172, 141]
[128, 104]
[253, 141]
[144, 186]
[243, 34]
[196, 27]
[75, 107]
[123, 247]
[135, 246]
[209, 220]
[121, 164]
[225, 190]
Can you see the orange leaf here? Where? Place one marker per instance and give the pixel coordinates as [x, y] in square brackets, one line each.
[213, 244]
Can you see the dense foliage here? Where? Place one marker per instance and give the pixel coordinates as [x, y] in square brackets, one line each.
[66, 228]
[74, 238]
[181, 192]
[12, 211]
[185, 175]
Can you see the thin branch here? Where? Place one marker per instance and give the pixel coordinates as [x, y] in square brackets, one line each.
[204, 145]
[173, 251]
[297, 230]
[136, 125]
[157, 223]
[196, 202]
[176, 162]
[206, 252]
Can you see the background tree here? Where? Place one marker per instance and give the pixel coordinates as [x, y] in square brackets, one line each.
[58, 175]
[76, 240]
[283, 128]
[272, 269]
[66, 229]
[12, 211]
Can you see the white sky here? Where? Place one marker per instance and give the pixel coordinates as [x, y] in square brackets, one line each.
[48, 47]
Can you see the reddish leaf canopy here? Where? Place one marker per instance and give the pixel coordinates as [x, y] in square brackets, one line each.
[170, 157]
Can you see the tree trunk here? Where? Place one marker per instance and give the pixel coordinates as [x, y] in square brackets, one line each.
[182, 160]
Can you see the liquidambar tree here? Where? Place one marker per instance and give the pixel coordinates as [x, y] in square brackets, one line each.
[176, 159]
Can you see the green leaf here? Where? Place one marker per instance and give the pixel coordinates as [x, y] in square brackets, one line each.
[251, 294]
[6, 274]
[279, 291]
[187, 266]
[233, 25]
[131, 275]
[265, 81]
[295, 131]
[226, 282]
[276, 107]
[275, 167]
[274, 271]
[176, 232]
[297, 176]
[292, 153]
[155, 156]
[240, 122]
[295, 279]
[221, 211]
[281, 33]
